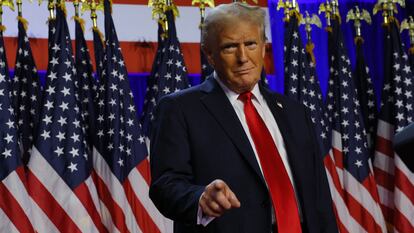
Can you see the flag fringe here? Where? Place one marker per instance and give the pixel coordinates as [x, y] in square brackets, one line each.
[80, 21]
[101, 37]
[23, 21]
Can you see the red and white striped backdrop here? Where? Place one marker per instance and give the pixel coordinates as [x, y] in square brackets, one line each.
[136, 30]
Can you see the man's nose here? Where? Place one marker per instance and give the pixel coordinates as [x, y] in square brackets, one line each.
[242, 54]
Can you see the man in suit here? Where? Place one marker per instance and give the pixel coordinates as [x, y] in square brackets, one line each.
[229, 155]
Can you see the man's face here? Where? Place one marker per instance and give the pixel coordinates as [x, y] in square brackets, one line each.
[237, 55]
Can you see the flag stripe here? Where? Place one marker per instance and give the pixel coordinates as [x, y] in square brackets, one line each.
[140, 213]
[49, 205]
[141, 189]
[117, 191]
[12, 208]
[82, 192]
[144, 170]
[384, 146]
[7, 225]
[117, 216]
[404, 212]
[343, 212]
[384, 179]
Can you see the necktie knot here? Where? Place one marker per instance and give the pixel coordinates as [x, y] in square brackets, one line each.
[245, 96]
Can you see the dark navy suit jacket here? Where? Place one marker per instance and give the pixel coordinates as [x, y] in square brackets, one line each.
[197, 138]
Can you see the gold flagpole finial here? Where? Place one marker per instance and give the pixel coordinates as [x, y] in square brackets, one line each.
[389, 8]
[358, 16]
[202, 5]
[8, 3]
[291, 8]
[159, 7]
[327, 9]
[93, 6]
[308, 21]
[408, 24]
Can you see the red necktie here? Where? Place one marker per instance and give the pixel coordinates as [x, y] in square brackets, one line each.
[277, 179]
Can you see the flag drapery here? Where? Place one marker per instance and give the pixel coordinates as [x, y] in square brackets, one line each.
[169, 72]
[302, 84]
[15, 206]
[349, 143]
[26, 91]
[59, 168]
[366, 95]
[87, 86]
[120, 155]
[395, 181]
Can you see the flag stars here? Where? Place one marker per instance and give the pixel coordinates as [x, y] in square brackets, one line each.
[121, 162]
[358, 163]
[45, 134]
[73, 167]
[8, 138]
[59, 151]
[6, 153]
[61, 136]
[64, 106]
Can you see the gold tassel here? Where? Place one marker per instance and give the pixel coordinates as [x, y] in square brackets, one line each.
[62, 6]
[358, 40]
[2, 28]
[80, 21]
[96, 29]
[411, 50]
[328, 29]
[309, 49]
[23, 21]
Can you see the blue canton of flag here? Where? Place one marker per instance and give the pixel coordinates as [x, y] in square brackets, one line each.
[394, 179]
[170, 75]
[152, 87]
[99, 51]
[349, 141]
[60, 163]
[26, 92]
[86, 82]
[302, 84]
[14, 202]
[366, 95]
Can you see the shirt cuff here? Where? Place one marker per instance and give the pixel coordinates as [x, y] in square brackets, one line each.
[202, 219]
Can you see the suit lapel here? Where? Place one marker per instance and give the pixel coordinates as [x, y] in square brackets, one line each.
[220, 107]
[279, 111]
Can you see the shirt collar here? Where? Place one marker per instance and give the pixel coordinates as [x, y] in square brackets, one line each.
[232, 96]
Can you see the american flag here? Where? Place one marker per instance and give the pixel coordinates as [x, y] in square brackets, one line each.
[395, 181]
[152, 87]
[366, 95]
[26, 92]
[120, 154]
[411, 55]
[349, 143]
[59, 168]
[302, 84]
[15, 206]
[87, 86]
[170, 76]
[206, 68]
[99, 51]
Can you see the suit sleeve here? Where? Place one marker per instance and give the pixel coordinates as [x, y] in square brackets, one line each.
[172, 189]
[323, 194]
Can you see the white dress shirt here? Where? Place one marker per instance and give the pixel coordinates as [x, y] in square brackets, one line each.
[264, 111]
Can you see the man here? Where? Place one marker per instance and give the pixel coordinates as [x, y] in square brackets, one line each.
[230, 156]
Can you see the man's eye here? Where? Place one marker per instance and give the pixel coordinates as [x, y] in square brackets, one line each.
[229, 49]
[251, 45]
